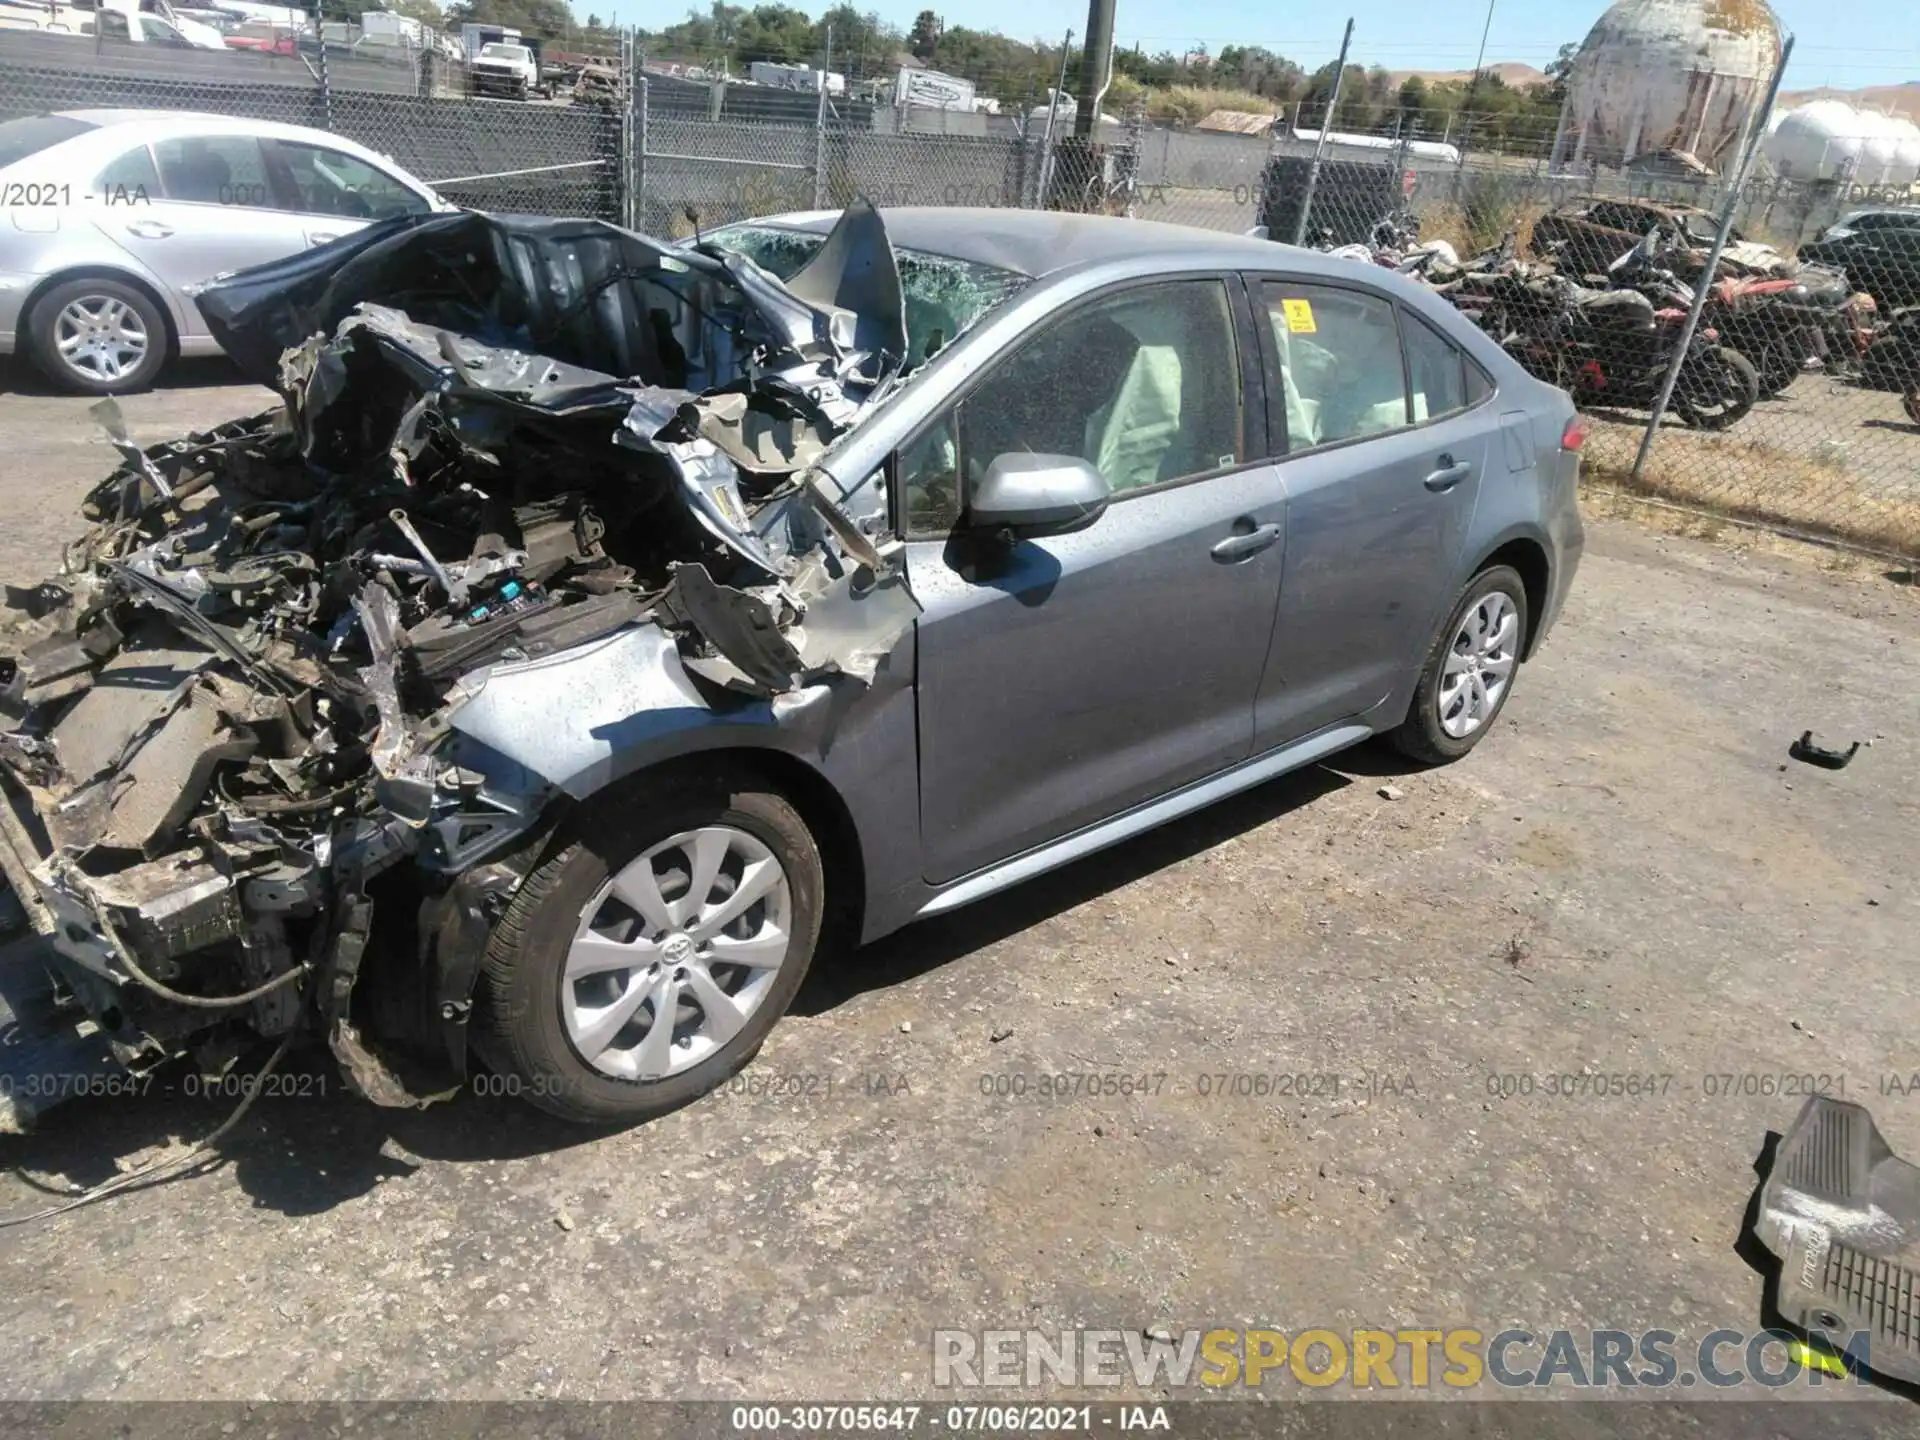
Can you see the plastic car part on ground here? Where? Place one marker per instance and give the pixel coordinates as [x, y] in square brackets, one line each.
[289, 652]
[1841, 1212]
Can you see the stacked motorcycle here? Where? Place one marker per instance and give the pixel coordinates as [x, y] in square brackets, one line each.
[1610, 339]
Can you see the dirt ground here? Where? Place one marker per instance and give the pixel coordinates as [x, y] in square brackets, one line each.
[1628, 878]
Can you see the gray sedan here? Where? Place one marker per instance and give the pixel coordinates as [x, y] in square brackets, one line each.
[113, 214]
[831, 573]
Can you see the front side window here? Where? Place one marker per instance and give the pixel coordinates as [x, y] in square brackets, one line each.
[214, 170]
[161, 33]
[332, 182]
[1340, 370]
[1143, 385]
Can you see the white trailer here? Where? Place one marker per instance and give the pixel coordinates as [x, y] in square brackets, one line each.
[932, 90]
[796, 77]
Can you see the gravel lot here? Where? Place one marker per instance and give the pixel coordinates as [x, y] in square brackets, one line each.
[1628, 878]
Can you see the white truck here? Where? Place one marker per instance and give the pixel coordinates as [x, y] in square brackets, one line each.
[506, 68]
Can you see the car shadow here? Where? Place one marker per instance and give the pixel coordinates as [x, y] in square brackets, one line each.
[928, 944]
[308, 1144]
[19, 376]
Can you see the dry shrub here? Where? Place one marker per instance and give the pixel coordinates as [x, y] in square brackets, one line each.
[1761, 484]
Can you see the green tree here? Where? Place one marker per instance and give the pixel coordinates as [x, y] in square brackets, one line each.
[923, 40]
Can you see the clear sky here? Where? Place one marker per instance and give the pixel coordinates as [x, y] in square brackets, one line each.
[1845, 43]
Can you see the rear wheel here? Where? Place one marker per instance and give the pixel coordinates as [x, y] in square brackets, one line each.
[1469, 672]
[98, 337]
[1778, 366]
[643, 963]
[1716, 388]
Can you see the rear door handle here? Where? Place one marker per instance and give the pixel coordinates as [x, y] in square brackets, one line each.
[1247, 542]
[149, 229]
[322, 237]
[1450, 474]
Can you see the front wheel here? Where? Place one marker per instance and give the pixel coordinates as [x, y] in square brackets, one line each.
[1717, 387]
[1469, 672]
[644, 961]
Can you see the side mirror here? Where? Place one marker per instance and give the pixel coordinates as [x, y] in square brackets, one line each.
[1038, 494]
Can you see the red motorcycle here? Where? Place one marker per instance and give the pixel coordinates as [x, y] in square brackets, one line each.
[1782, 322]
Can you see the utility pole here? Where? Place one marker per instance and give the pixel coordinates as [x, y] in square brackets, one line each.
[1473, 84]
[1096, 67]
[1320, 140]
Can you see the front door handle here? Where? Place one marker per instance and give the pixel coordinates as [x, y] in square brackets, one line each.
[149, 229]
[1450, 474]
[323, 237]
[1247, 542]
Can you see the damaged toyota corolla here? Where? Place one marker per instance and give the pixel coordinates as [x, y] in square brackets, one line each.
[602, 627]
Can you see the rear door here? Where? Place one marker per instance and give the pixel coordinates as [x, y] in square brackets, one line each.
[1383, 436]
[214, 209]
[1064, 679]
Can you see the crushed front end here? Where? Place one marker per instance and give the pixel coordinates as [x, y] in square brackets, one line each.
[236, 803]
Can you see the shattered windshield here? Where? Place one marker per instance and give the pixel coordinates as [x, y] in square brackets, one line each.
[945, 297]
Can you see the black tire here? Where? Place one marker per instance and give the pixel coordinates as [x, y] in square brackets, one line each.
[43, 341]
[1778, 367]
[520, 1030]
[1716, 389]
[1911, 403]
[1421, 736]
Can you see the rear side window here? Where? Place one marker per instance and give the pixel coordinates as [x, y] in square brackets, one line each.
[215, 170]
[1340, 369]
[20, 139]
[1436, 371]
[132, 175]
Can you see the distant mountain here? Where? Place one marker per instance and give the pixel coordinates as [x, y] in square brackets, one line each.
[1520, 77]
[1897, 99]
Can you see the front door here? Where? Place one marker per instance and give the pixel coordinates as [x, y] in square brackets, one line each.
[1064, 679]
[1387, 436]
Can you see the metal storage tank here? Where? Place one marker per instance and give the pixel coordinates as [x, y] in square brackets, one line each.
[1668, 75]
[1830, 140]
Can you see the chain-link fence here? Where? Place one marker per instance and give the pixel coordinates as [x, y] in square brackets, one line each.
[1796, 405]
[560, 156]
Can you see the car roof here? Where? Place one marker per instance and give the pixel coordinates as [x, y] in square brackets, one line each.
[1042, 242]
[1904, 212]
[174, 121]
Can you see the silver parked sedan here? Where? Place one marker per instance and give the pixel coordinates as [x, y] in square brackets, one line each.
[821, 575]
[110, 214]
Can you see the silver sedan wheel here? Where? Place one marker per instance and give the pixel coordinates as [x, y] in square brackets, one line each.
[675, 953]
[100, 337]
[1480, 664]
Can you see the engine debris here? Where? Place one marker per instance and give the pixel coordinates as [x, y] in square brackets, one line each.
[501, 439]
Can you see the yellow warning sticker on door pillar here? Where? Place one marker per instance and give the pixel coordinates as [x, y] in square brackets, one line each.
[1299, 316]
